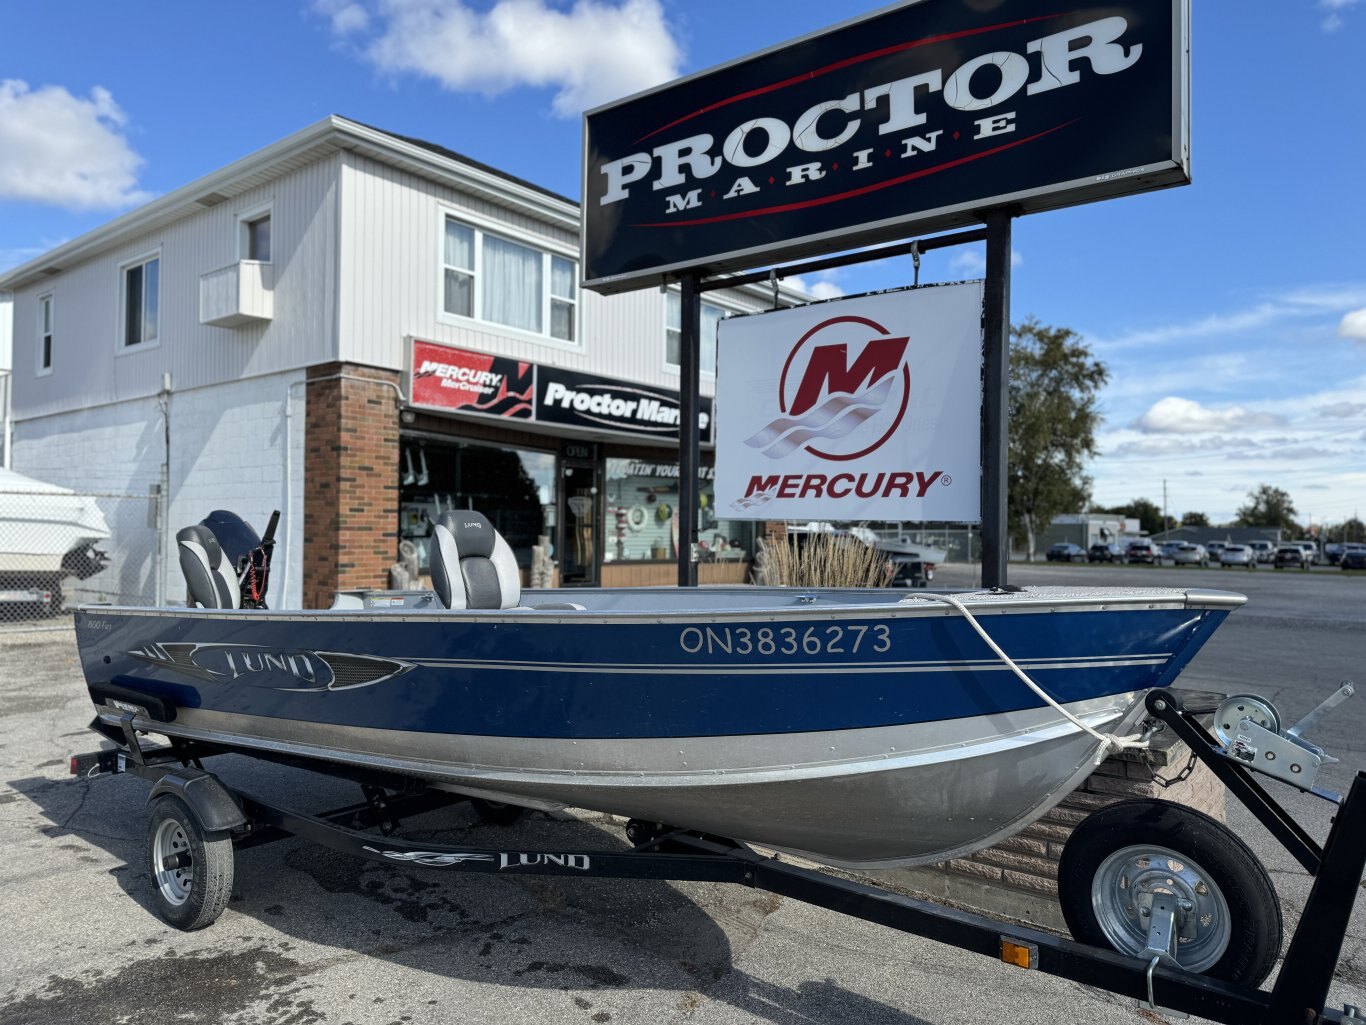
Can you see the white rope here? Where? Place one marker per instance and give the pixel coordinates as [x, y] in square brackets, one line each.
[1108, 741]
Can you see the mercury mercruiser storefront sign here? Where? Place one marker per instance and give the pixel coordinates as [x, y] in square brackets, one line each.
[452, 380]
[865, 408]
[910, 119]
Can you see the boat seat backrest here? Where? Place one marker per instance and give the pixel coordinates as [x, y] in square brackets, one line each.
[209, 574]
[472, 566]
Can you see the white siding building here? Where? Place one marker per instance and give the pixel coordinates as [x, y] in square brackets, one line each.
[245, 342]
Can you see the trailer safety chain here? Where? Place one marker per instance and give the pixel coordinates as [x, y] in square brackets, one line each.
[1109, 742]
[1180, 777]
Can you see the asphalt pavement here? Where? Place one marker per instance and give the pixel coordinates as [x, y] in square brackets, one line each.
[311, 936]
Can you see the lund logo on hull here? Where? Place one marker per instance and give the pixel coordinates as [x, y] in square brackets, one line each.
[289, 669]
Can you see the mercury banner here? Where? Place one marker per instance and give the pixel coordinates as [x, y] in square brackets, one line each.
[867, 408]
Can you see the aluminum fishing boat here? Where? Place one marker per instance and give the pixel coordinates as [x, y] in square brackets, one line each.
[860, 728]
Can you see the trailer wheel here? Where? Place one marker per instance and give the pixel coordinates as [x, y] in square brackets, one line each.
[190, 869]
[1117, 855]
[496, 812]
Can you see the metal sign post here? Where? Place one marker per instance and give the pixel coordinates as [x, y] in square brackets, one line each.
[690, 402]
[995, 401]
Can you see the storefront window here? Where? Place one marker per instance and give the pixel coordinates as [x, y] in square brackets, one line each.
[642, 521]
[514, 488]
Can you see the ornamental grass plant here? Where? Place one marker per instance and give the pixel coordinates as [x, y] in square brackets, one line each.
[820, 560]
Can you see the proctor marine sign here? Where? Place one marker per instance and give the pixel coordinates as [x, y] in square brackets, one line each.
[912, 119]
[865, 408]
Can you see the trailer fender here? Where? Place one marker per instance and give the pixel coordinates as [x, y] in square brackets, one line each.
[208, 798]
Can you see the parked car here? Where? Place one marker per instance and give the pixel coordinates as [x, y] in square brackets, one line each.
[1215, 548]
[1333, 552]
[1290, 555]
[1143, 551]
[1191, 555]
[1105, 553]
[1065, 551]
[1311, 551]
[1353, 558]
[1264, 550]
[1238, 555]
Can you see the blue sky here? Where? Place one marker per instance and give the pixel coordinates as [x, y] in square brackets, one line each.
[1231, 313]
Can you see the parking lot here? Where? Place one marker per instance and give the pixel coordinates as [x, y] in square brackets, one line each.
[316, 937]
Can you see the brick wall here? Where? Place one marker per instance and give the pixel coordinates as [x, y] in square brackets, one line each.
[351, 458]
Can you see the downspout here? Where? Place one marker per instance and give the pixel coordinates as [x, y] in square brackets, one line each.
[288, 502]
[8, 412]
[164, 488]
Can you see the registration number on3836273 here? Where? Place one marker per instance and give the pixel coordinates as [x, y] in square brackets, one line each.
[835, 639]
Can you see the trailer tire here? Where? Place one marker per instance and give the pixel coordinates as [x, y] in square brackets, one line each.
[496, 812]
[192, 895]
[1144, 845]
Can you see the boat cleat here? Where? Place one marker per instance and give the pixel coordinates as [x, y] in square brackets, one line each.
[1259, 742]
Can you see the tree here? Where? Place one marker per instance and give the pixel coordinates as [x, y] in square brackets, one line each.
[1350, 530]
[1194, 519]
[1146, 511]
[1268, 506]
[1053, 421]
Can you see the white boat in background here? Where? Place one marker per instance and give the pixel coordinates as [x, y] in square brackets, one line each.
[903, 545]
[47, 533]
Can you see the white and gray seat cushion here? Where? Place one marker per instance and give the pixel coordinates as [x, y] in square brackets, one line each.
[209, 573]
[472, 566]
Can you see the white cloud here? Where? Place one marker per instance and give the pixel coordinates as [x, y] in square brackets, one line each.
[596, 51]
[346, 16]
[1334, 20]
[1341, 410]
[823, 286]
[972, 261]
[1294, 305]
[1174, 415]
[1353, 325]
[62, 149]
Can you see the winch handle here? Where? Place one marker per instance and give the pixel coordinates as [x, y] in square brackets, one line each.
[1344, 691]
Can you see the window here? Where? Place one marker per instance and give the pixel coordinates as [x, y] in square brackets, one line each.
[673, 334]
[513, 487]
[45, 334]
[141, 301]
[488, 277]
[256, 239]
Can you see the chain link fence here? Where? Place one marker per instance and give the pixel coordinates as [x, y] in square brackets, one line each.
[60, 548]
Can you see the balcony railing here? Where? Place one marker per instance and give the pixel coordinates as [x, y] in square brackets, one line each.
[240, 293]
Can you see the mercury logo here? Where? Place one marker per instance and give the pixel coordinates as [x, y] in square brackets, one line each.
[843, 393]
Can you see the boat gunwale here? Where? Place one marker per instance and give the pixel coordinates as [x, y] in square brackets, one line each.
[918, 605]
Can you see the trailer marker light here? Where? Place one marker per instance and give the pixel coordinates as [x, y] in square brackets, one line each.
[1021, 955]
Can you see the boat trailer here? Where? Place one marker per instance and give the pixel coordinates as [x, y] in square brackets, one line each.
[198, 821]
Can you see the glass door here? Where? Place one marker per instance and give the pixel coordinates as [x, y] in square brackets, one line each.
[579, 515]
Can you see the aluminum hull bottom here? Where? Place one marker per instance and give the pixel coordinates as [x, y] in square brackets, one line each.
[883, 797]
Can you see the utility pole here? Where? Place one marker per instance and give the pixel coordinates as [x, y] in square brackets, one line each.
[1164, 507]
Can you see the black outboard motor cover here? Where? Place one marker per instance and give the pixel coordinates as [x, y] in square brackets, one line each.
[234, 535]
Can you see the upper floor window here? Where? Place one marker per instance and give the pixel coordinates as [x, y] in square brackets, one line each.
[141, 301]
[488, 277]
[256, 238]
[673, 334]
[45, 310]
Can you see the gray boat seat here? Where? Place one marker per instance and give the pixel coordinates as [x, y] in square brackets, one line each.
[472, 566]
[209, 574]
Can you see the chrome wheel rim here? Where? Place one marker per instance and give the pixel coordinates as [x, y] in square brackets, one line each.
[1127, 875]
[174, 883]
